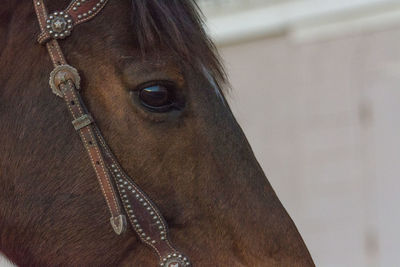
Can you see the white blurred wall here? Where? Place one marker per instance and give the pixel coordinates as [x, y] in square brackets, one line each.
[320, 106]
[4, 262]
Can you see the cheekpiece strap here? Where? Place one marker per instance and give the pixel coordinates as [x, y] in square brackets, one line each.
[119, 190]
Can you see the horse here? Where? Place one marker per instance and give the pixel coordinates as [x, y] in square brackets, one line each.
[155, 84]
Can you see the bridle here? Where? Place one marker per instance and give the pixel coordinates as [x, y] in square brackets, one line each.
[123, 197]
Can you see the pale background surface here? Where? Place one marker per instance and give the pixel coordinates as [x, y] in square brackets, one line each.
[323, 121]
[316, 87]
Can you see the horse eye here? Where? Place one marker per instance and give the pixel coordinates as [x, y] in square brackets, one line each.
[157, 98]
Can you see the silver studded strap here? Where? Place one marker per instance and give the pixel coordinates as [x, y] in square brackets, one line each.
[119, 190]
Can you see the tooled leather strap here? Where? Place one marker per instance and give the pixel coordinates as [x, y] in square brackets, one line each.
[63, 72]
[142, 213]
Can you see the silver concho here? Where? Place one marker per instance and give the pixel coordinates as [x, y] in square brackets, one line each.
[59, 25]
[62, 74]
[175, 260]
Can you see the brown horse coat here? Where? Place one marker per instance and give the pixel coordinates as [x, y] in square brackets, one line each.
[195, 163]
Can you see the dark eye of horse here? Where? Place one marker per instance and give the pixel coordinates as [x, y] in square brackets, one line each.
[157, 98]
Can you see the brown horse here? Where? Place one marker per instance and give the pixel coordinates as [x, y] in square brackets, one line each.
[182, 145]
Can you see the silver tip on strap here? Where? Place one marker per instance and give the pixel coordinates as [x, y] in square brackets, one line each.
[118, 224]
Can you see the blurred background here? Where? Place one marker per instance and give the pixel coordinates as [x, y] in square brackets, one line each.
[316, 88]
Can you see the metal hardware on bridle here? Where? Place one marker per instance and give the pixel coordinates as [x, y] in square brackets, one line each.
[119, 190]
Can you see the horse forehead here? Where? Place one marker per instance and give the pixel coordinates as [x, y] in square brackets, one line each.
[135, 72]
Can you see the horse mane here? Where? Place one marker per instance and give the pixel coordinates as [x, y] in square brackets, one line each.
[178, 26]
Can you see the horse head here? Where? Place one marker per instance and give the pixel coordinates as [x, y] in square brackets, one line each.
[152, 80]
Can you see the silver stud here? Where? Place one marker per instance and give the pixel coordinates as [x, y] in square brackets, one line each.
[153, 242]
[79, 16]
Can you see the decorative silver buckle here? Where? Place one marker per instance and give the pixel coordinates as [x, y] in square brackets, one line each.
[61, 74]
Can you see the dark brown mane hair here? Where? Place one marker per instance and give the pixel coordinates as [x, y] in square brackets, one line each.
[177, 25]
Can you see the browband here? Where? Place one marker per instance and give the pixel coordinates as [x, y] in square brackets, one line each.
[60, 24]
[119, 190]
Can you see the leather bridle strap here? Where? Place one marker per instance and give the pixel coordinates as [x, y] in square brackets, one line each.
[119, 190]
[63, 71]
